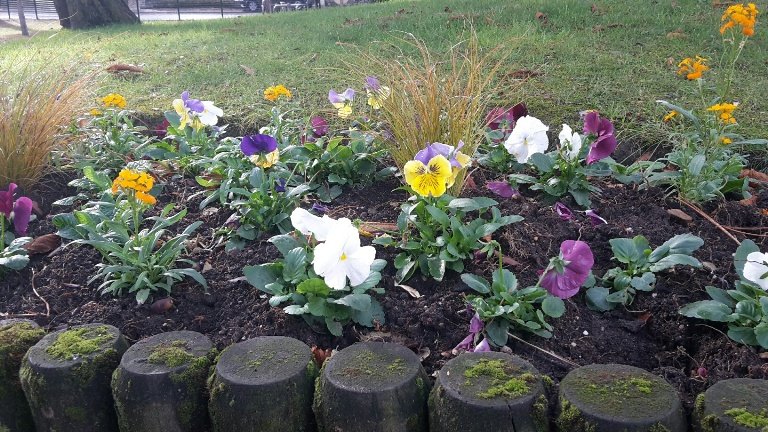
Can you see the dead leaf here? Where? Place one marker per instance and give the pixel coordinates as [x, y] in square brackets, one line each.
[645, 157]
[351, 22]
[523, 74]
[122, 67]
[423, 353]
[677, 34]
[207, 267]
[542, 17]
[321, 355]
[749, 202]
[469, 183]
[680, 214]
[755, 175]
[161, 306]
[43, 244]
[248, 71]
[709, 266]
[671, 61]
[596, 10]
[509, 261]
[238, 279]
[447, 10]
[410, 290]
[764, 355]
[598, 28]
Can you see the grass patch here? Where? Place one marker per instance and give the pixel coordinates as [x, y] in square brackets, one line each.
[617, 56]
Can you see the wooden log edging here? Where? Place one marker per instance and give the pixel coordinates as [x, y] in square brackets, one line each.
[367, 386]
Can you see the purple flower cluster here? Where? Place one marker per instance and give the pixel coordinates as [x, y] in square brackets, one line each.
[567, 273]
[258, 144]
[475, 331]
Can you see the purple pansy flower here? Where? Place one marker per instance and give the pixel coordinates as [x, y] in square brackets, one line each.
[475, 329]
[372, 83]
[280, 185]
[258, 144]
[6, 200]
[435, 149]
[605, 142]
[502, 189]
[483, 346]
[192, 104]
[19, 210]
[563, 211]
[498, 117]
[319, 208]
[22, 211]
[567, 273]
[595, 218]
[335, 98]
[319, 126]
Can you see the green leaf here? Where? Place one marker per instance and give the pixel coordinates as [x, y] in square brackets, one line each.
[721, 296]
[295, 264]
[360, 302]
[710, 310]
[334, 327]
[625, 250]
[314, 286]
[696, 164]
[284, 243]
[496, 331]
[673, 260]
[259, 276]
[684, 244]
[761, 334]
[645, 282]
[596, 299]
[438, 215]
[476, 283]
[436, 268]
[745, 335]
[553, 306]
[542, 162]
[740, 258]
[295, 310]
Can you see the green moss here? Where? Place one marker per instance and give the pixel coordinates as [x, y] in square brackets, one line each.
[709, 423]
[172, 355]
[79, 342]
[749, 419]
[698, 405]
[367, 363]
[76, 414]
[4, 428]
[191, 381]
[571, 419]
[15, 341]
[504, 380]
[540, 411]
[397, 366]
[658, 427]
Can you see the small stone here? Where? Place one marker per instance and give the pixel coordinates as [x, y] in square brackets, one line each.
[586, 333]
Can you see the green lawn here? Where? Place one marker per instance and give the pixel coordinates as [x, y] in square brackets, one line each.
[617, 56]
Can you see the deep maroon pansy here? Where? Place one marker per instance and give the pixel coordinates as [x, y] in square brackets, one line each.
[499, 118]
[319, 126]
[502, 189]
[563, 211]
[601, 130]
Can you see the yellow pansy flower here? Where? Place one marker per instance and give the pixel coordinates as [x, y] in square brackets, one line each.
[267, 160]
[430, 179]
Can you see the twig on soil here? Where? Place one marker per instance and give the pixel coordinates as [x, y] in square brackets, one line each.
[719, 331]
[562, 359]
[712, 221]
[5, 315]
[47, 306]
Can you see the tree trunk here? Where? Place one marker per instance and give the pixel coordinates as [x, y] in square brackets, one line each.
[77, 14]
[22, 18]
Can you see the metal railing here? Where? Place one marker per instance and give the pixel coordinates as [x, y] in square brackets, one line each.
[144, 9]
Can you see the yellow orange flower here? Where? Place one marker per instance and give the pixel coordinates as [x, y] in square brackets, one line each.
[275, 92]
[95, 112]
[670, 115]
[742, 16]
[114, 100]
[725, 111]
[692, 68]
[725, 140]
[135, 183]
[430, 179]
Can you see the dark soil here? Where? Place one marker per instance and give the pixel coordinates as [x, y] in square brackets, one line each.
[652, 335]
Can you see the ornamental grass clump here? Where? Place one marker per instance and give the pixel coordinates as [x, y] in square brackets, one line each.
[35, 106]
[427, 98]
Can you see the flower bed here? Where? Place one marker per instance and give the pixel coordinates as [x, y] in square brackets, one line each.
[370, 228]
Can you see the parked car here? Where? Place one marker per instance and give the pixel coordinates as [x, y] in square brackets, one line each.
[250, 5]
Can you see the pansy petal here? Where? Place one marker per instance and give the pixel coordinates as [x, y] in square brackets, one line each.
[22, 211]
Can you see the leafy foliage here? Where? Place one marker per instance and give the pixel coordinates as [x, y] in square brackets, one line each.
[744, 308]
[639, 266]
[434, 236]
[292, 279]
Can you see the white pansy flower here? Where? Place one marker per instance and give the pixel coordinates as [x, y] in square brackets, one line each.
[528, 137]
[571, 141]
[756, 269]
[319, 227]
[342, 257]
[210, 116]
